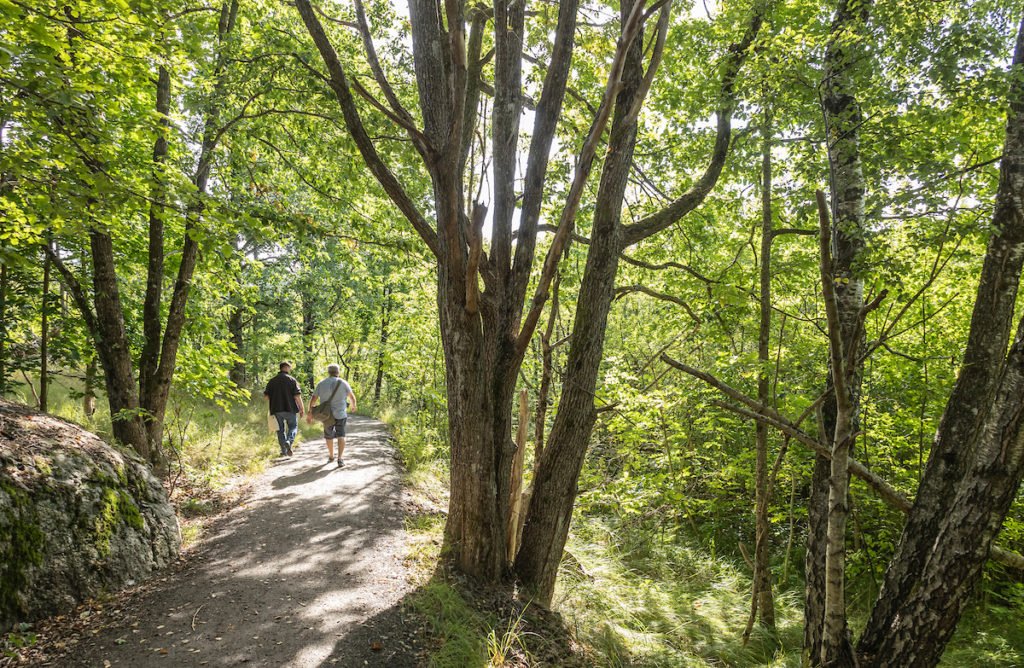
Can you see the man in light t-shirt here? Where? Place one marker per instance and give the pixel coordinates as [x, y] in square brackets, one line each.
[342, 393]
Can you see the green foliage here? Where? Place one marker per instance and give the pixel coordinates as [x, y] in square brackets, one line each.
[303, 258]
[460, 628]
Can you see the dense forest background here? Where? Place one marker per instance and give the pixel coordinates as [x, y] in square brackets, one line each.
[190, 192]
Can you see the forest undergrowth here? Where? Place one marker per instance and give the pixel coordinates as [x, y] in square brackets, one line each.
[630, 593]
[634, 594]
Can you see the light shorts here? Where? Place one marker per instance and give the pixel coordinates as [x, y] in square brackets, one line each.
[336, 430]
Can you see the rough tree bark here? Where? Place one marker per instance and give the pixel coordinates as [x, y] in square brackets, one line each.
[485, 333]
[481, 331]
[138, 409]
[842, 117]
[554, 484]
[974, 467]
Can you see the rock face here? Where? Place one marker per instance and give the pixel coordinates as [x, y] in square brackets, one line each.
[77, 517]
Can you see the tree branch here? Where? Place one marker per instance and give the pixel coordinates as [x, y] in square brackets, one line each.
[583, 166]
[629, 289]
[339, 84]
[696, 194]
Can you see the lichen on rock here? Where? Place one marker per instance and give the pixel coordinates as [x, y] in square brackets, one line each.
[78, 517]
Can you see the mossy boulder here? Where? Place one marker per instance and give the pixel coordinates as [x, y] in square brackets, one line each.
[78, 517]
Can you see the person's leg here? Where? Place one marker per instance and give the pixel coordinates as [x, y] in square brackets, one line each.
[293, 428]
[339, 431]
[329, 440]
[281, 437]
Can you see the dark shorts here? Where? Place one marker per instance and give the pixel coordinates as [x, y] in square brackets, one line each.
[336, 430]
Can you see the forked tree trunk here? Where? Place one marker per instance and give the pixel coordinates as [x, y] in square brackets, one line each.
[484, 333]
[554, 486]
[137, 410]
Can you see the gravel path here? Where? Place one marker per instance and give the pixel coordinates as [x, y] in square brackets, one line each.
[307, 573]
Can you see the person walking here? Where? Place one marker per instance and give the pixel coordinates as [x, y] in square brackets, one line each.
[285, 400]
[336, 391]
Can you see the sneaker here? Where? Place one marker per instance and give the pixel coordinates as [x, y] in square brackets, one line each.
[330, 459]
[341, 464]
[288, 452]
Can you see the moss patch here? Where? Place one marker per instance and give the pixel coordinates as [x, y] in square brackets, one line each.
[24, 550]
[116, 508]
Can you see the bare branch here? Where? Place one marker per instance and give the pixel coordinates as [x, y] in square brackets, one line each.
[629, 289]
[339, 84]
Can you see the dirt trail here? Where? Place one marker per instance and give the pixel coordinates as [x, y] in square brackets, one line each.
[307, 573]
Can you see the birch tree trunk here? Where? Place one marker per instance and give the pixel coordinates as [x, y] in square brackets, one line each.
[824, 609]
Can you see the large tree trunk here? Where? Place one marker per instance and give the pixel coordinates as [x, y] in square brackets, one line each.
[926, 620]
[113, 349]
[842, 120]
[554, 486]
[974, 466]
[481, 366]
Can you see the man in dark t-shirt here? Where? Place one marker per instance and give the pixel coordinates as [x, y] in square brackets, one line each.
[285, 400]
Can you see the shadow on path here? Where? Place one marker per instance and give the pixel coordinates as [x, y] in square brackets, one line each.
[308, 573]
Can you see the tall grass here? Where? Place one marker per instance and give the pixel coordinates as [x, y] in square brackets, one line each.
[207, 446]
[637, 596]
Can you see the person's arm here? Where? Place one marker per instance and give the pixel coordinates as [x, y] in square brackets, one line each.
[298, 402]
[312, 402]
[352, 397]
